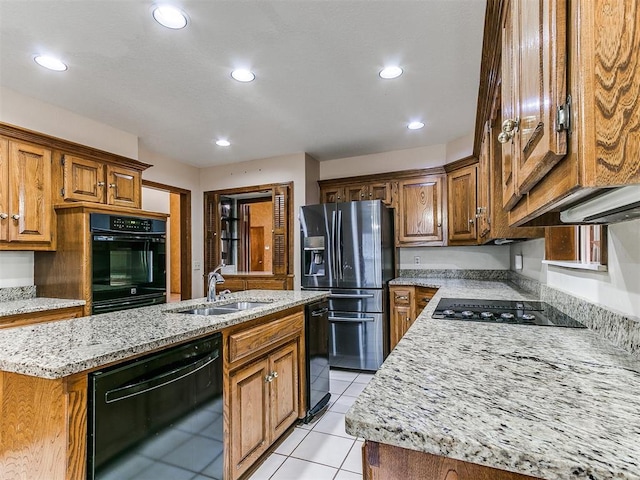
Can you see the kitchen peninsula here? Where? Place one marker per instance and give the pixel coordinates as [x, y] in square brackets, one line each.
[499, 401]
[44, 367]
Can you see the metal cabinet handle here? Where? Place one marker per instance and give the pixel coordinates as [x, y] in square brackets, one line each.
[112, 185]
[274, 374]
[402, 297]
[4, 216]
[509, 128]
[471, 221]
[15, 216]
[268, 378]
[408, 319]
[101, 184]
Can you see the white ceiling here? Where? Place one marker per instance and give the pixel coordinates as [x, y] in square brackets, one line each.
[316, 62]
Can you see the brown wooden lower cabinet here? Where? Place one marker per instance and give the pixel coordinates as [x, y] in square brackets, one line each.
[406, 303]
[39, 317]
[264, 395]
[386, 462]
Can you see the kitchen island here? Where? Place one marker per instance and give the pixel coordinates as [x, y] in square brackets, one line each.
[44, 370]
[544, 402]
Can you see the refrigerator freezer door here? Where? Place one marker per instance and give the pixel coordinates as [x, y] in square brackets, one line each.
[359, 245]
[317, 238]
[356, 340]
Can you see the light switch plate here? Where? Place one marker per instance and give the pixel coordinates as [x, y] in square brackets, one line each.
[197, 265]
[416, 260]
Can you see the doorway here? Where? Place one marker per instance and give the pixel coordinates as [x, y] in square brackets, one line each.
[179, 242]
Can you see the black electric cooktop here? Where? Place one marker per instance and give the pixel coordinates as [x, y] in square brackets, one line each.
[523, 312]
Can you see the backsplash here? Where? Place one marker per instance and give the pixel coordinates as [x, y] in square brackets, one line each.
[465, 274]
[9, 294]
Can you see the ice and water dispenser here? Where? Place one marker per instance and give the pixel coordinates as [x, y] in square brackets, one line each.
[314, 257]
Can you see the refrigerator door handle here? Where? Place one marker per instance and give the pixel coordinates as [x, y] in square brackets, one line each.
[351, 319]
[351, 295]
[339, 245]
[334, 245]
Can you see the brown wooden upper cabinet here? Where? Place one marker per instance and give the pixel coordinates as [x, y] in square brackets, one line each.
[534, 91]
[26, 210]
[93, 181]
[570, 106]
[420, 218]
[331, 192]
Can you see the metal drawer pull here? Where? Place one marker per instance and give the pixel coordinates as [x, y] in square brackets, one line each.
[15, 216]
[402, 297]
[4, 215]
[271, 377]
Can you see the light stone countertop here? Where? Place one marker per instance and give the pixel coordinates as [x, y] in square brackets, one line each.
[36, 304]
[61, 348]
[549, 402]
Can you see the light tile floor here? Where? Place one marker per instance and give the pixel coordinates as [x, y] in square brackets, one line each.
[321, 450]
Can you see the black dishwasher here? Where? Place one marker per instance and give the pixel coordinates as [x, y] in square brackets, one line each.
[159, 416]
[317, 346]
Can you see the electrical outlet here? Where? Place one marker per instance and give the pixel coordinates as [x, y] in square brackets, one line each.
[416, 260]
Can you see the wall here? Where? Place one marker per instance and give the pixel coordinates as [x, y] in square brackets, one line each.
[280, 169]
[460, 148]
[487, 257]
[27, 112]
[617, 289]
[16, 269]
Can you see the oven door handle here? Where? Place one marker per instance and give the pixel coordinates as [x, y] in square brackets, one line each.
[351, 295]
[159, 381]
[320, 312]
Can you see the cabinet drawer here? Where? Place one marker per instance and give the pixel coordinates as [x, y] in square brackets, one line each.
[423, 295]
[266, 284]
[402, 297]
[248, 342]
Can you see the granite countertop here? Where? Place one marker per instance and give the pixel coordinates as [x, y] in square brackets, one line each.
[62, 348]
[36, 304]
[549, 402]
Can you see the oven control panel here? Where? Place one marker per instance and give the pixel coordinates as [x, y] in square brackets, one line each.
[101, 222]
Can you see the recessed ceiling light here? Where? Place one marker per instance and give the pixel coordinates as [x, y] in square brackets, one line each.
[415, 125]
[223, 143]
[243, 75]
[390, 72]
[50, 62]
[170, 17]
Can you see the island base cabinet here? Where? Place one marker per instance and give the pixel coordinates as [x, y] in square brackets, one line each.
[386, 462]
[43, 427]
[264, 394]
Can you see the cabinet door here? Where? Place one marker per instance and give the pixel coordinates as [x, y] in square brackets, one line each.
[4, 189]
[380, 191]
[420, 210]
[541, 87]
[124, 186]
[284, 388]
[83, 179]
[401, 313]
[462, 205]
[354, 193]
[510, 195]
[332, 195]
[30, 207]
[249, 418]
[483, 204]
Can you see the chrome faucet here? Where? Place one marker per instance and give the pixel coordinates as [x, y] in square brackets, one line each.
[214, 278]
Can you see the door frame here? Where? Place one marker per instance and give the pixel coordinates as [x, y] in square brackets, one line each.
[185, 234]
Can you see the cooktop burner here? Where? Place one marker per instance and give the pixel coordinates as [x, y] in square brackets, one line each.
[523, 312]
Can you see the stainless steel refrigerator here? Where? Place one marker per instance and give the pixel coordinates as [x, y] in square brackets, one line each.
[347, 249]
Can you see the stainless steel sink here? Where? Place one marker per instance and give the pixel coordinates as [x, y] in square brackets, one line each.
[224, 309]
[210, 311]
[243, 305]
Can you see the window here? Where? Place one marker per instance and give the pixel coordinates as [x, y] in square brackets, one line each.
[582, 246]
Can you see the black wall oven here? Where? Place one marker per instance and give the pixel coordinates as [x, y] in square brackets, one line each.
[128, 262]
